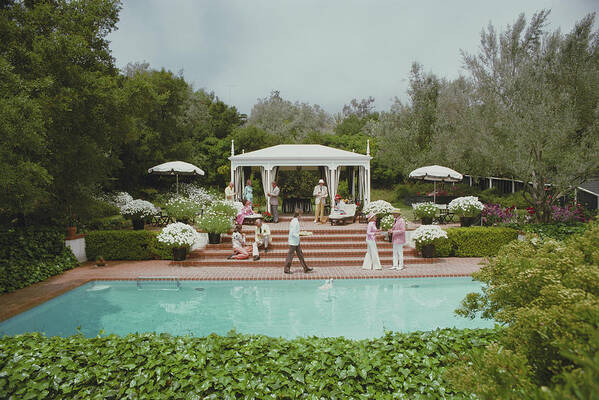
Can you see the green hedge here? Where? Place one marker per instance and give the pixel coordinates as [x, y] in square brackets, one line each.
[30, 255]
[558, 231]
[235, 366]
[475, 241]
[480, 241]
[126, 245]
[114, 222]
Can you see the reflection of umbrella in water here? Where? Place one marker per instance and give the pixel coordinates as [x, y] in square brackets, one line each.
[436, 173]
[176, 168]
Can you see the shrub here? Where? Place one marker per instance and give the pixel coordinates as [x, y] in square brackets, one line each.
[178, 235]
[28, 256]
[183, 209]
[479, 241]
[547, 294]
[138, 209]
[111, 223]
[236, 366]
[443, 247]
[494, 214]
[125, 245]
[554, 231]
[468, 206]
[425, 210]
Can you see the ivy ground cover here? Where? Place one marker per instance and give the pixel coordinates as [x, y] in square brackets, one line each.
[236, 366]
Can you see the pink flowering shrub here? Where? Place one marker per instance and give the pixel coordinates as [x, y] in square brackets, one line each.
[494, 214]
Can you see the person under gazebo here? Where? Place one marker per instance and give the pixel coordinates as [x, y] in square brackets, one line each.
[245, 211]
[248, 192]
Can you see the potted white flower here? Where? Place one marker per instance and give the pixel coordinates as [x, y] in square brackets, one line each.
[138, 211]
[386, 224]
[425, 236]
[379, 207]
[216, 220]
[467, 207]
[425, 211]
[180, 237]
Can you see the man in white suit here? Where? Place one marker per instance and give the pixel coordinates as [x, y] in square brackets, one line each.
[273, 200]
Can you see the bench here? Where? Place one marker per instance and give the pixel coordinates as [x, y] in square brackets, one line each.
[349, 215]
[251, 219]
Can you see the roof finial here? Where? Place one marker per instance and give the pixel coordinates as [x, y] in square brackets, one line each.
[368, 147]
[242, 151]
[232, 147]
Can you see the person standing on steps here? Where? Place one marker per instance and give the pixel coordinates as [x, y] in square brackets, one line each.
[261, 239]
[398, 232]
[248, 192]
[371, 260]
[294, 244]
[273, 200]
[230, 192]
[320, 194]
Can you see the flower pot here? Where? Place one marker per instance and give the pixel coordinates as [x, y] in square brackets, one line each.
[466, 221]
[213, 238]
[427, 220]
[138, 224]
[428, 251]
[179, 253]
[71, 231]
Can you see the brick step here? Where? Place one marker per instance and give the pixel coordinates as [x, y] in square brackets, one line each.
[318, 231]
[280, 261]
[282, 252]
[361, 237]
[309, 245]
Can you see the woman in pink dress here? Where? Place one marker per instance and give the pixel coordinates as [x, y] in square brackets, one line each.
[245, 210]
[371, 260]
[399, 239]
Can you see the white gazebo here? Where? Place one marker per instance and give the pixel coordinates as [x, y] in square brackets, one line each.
[309, 156]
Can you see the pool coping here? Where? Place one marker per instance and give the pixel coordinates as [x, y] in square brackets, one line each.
[14, 303]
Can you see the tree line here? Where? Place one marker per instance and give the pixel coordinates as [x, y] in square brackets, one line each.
[72, 124]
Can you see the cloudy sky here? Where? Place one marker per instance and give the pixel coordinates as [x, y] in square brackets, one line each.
[322, 52]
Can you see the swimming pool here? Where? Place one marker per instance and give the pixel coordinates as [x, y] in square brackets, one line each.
[354, 308]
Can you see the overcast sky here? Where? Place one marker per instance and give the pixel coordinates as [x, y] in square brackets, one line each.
[322, 52]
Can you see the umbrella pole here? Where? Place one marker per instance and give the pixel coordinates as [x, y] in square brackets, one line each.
[177, 178]
[435, 192]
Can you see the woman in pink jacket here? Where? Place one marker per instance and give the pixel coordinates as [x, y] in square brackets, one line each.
[399, 239]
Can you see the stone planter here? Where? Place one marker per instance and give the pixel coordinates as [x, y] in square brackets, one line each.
[179, 253]
[138, 224]
[426, 220]
[213, 238]
[428, 251]
[466, 221]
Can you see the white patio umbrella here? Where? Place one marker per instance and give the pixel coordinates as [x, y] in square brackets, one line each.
[436, 173]
[176, 168]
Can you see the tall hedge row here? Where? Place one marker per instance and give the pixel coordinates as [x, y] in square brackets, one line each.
[125, 245]
[30, 255]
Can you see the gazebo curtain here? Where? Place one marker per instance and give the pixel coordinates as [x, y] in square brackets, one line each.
[268, 177]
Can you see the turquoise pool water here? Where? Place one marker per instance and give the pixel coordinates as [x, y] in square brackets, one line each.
[354, 308]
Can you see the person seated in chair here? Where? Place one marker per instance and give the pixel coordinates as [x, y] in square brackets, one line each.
[262, 238]
[339, 207]
[245, 210]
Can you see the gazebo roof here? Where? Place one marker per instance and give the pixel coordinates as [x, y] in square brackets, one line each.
[301, 154]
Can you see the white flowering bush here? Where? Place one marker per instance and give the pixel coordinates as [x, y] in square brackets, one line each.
[387, 222]
[425, 210]
[119, 199]
[178, 234]
[182, 208]
[238, 205]
[198, 194]
[215, 223]
[426, 234]
[378, 207]
[138, 209]
[467, 206]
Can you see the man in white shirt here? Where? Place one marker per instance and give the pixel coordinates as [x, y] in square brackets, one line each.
[261, 239]
[294, 244]
[320, 200]
[230, 192]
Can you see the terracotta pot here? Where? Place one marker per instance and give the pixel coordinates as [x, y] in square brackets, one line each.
[71, 231]
[179, 253]
[213, 238]
[428, 251]
[427, 220]
[138, 224]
